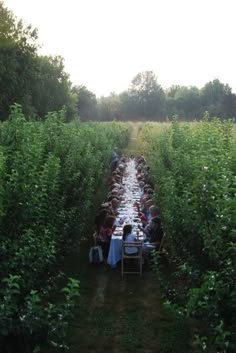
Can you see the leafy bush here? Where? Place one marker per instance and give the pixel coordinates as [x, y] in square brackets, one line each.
[49, 173]
[193, 168]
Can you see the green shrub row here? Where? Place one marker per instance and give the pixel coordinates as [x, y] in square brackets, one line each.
[193, 167]
[49, 174]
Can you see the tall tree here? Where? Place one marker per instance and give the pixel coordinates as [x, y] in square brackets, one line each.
[39, 83]
[109, 108]
[218, 99]
[184, 101]
[86, 103]
[52, 88]
[230, 103]
[147, 95]
[127, 110]
[17, 52]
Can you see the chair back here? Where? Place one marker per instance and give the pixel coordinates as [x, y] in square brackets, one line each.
[137, 256]
[135, 245]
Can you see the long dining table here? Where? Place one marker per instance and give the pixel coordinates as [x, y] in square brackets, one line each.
[127, 214]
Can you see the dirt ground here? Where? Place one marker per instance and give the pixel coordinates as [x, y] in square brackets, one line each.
[118, 315]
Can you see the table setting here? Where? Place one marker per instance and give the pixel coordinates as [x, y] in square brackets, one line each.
[127, 213]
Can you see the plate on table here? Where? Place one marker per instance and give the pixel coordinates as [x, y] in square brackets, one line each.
[118, 230]
[116, 236]
[121, 214]
[149, 246]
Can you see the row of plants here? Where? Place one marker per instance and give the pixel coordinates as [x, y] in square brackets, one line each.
[193, 167]
[49, 173]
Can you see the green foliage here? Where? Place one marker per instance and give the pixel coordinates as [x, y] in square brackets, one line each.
[49, 173]
[86, 103]
[36, 319]
[193, 168]
[184, 101]
[39, 83]
[51, 88]
[17, 53]
[145, 99]
[147, 96]
[110, 108]
[190, 102]
[218, 99]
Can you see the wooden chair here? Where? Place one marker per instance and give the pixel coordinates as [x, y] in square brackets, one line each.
[136, 257]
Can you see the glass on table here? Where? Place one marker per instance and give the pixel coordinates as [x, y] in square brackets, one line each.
[122, 219]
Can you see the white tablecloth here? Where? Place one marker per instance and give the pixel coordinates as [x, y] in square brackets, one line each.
[127, 213]
[115, 251]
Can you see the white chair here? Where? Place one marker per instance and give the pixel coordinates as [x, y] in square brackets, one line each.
[137, 257]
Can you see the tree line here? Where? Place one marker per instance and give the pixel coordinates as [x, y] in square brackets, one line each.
[147, 100]
[41, 84]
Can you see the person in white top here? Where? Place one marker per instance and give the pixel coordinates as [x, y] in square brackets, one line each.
[129, 237]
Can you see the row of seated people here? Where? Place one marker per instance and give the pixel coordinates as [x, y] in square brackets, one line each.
[148, 213]
[153, 232]
[106, 217]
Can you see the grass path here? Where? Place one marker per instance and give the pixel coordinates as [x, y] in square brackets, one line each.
[133, 146]
[121, 315]
[117, 315]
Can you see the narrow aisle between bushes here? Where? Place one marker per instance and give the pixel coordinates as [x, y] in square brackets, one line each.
[122, 315]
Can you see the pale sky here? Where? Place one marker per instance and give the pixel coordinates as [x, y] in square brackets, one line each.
[105, 43]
